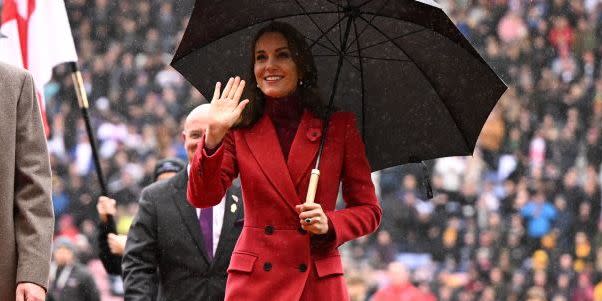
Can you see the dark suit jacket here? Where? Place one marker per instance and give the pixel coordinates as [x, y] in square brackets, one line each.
[166, 235]
[79, 286]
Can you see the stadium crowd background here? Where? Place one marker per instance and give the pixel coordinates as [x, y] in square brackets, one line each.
[518, 221]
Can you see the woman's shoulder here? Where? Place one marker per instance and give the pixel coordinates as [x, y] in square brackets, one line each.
[344, 122]
[343, 117]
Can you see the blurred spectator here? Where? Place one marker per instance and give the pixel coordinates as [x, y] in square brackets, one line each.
[400, 287]
[563, 225]
[60, 198]
[539, 215]
[384, 250]
[536, 294]
[584, 290]
[69, 280]
[491, 138]
[358, 288]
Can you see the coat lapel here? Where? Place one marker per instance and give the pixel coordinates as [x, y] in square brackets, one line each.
[263, 143]
[305, 147]
[188, 212]
[227, 225]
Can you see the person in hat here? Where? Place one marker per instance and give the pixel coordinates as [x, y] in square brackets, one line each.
[69, 280]
[288, 250]
[182, 250]
[167, 168]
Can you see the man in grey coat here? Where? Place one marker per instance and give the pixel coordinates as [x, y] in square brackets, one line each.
[26, 216]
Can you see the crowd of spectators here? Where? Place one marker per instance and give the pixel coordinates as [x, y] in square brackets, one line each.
[521, 219]
[518, 221]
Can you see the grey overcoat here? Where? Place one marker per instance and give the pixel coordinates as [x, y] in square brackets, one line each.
[26, 216]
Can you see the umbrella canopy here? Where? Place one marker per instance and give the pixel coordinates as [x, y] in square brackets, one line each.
[418, 88]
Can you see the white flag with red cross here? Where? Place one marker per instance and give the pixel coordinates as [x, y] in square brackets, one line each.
[35, 35]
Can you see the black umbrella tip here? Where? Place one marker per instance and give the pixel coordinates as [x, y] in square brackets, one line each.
[427, 181]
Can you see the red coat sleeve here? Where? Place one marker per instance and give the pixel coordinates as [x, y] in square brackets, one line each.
[362, 213]
[211, 175]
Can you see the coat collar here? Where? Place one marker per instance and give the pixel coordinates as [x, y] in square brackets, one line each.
[231, 214]
[305, 147]
[285, 176]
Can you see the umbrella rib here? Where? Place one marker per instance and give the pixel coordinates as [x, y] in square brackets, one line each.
[381, 59]
[335, 51]
[467, 145]
[361, 81]
[316, 41]
[369, 22]
[336, 55]
[344, 57]
[364, 57]
[333, 3]
[362, 32]
[351, 64]
[340, 28]
[365, 2]
[385, 41]
[315, 24]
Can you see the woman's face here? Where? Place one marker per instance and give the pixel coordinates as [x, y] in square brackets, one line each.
[275, 71]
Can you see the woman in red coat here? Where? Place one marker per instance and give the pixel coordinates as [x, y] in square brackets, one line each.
[272, 142]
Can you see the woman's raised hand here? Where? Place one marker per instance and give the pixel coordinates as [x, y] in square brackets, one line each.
[225, 110]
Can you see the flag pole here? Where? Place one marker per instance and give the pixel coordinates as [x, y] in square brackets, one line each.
[82, 99]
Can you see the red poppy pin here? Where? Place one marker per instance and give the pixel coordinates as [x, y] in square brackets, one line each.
[313, 134]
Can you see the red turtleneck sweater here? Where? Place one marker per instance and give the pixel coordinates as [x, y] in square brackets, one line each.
[285, 113]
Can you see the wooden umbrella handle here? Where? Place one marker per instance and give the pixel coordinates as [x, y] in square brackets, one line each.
[313, 186]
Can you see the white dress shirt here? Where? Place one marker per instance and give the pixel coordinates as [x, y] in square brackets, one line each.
[218, 218]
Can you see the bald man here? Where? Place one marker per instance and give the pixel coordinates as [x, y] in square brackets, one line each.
[188, 247]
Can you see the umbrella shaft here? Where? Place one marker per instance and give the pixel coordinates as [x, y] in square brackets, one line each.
[313, 186]
[334, 86]
[340, 62]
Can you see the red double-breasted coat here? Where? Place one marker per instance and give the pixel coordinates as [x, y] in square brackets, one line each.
[274, 259]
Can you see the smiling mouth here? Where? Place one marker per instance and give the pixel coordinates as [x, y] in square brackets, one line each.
[273, 78]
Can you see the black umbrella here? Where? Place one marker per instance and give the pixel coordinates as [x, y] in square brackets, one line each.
[418, 88]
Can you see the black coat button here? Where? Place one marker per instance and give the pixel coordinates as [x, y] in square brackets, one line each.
[301, 231]
[269, 230]
[303, 267]
[267, 266]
